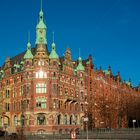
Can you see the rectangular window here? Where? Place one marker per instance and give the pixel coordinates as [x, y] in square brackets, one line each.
[54, 103]
[14, 93]
[41, 105]
[60, 90]
[14, 106]
[54, 88]
[7, 107]
[41, 88]
[7, 93]
[41, 74]
[21, 90]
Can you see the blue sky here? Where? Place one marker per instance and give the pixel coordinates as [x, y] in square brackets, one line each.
[109, 30]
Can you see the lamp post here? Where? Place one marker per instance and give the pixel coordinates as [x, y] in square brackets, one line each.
[5, 126]
[134, 121]
[86, 121]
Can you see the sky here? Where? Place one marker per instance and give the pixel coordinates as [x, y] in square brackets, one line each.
[109, 30]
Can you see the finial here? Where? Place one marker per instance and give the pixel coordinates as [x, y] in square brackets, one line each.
[118, 73]
[41, 6]
[41, 12]
[109, 68]
[29, 36]
[53, 36]
[79, 59]
[53, 44]
[28, 44]
[79, 52]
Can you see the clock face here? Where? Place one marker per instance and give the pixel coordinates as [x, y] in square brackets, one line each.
[41, 39]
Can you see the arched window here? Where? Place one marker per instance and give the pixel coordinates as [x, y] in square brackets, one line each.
[41, 103]
[76, 107]
[81, 120]
[60, 104]
[41, 119]
[15, 120]
[22, 120]
[76, 119]
[54, 103]
[41, 74]
[65, 119]
[71, 120]
[66, 105]
[59, 119]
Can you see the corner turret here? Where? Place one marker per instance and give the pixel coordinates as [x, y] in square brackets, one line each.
[53, 54]
[80, 66]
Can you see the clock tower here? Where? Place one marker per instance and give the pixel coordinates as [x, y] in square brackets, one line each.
[41, 30]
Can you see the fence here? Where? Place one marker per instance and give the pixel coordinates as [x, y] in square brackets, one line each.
[119, 134]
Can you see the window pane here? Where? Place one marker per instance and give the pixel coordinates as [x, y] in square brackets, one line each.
[41, 88]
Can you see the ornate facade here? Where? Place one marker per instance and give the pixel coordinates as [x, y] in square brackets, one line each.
[42, 92]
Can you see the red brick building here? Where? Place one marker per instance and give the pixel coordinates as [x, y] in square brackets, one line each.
[42, 92]
[112, 102]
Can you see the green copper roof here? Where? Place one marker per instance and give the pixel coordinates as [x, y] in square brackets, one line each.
[53, 54]
[106, 72]
[22, 62]
[2, 71]
[88, 62]
[28, 54]
[128, 83]
[41, 30]
[41, 25]
[80, 66]
[16, 65]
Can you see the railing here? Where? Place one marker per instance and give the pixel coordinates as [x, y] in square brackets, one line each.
[94, 134]
[103, 134]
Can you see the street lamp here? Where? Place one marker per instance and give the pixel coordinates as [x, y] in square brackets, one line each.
[134, 121]
[86, 121]
[5, 126]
